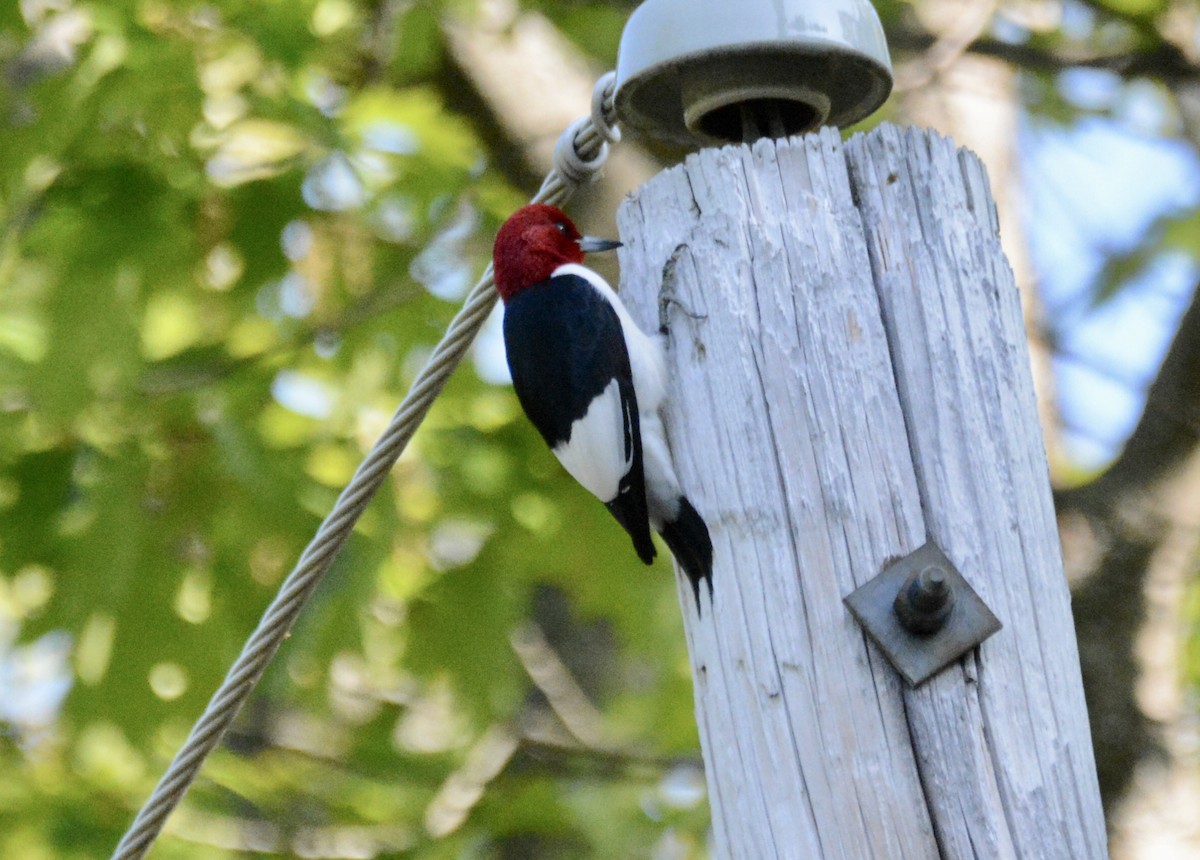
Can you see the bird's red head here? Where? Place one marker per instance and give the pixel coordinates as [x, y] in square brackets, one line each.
[531, 244]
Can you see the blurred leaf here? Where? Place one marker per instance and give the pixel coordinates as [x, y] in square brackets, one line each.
[1141, 8]
[1177, 232]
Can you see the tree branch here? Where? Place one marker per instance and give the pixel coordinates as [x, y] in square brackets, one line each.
[1163, 61]
[1116, 531]
[1167, 433]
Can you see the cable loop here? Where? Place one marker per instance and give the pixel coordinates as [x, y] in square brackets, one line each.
[570, 160]
[603, 112]
[569, 163]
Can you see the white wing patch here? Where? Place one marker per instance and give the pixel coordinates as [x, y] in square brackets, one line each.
[595, 454]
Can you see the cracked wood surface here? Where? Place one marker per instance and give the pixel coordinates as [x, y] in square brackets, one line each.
[849, 363]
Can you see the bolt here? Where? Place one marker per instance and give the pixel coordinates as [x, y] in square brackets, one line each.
[925, 601]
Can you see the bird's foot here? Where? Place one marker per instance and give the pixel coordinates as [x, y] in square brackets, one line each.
[664, 305]
[666, 293]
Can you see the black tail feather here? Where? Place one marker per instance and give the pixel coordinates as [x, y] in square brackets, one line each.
[687, 537]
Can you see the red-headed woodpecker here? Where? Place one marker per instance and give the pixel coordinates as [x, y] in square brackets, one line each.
[592, 383]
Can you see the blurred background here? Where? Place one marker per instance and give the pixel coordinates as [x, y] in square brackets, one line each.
[231, 231]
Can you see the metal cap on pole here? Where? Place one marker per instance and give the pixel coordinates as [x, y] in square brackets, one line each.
[700, 72]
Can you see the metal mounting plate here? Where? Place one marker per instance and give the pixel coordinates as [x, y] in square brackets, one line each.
[919, 657]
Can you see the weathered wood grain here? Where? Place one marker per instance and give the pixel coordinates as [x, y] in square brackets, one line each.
[850, 377]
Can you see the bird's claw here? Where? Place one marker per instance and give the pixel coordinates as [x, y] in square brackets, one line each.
[664, 305]
[666, 294]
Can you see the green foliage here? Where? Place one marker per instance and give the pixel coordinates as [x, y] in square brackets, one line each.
[229, 234]
[1176, 233]
[1134, 8]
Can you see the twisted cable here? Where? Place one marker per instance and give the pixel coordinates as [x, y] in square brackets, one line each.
[578, 159]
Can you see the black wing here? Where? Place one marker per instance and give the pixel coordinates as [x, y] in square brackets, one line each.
[565, 352]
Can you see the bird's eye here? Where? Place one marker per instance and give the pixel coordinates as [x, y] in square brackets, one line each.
[560, 227]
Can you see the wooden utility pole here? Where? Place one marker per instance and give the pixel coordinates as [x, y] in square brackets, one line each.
[850, 380]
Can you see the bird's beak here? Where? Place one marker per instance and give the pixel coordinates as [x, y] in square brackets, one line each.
[590, 244]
